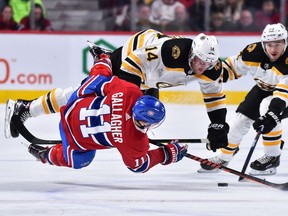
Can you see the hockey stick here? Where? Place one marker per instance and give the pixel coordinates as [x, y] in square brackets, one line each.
[280, 186]
[34, 140]
[251, 151]
[18, 124]
[180, 140]
[282, 116]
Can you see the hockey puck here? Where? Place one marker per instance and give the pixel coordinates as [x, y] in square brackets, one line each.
[222, 184]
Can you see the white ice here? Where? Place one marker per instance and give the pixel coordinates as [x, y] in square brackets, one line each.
[107, 187]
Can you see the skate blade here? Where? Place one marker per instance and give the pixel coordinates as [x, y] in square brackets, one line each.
[8, 115]
[270, 171]
[25, 144]
[201, 170]
[90, 44]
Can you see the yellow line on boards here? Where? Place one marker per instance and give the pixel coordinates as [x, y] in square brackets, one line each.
[176, 97]
[20, 94]
[195, 97]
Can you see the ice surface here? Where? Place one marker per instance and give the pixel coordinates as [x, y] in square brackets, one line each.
[107, 187]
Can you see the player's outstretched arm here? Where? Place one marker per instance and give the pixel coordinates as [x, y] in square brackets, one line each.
[173, 152]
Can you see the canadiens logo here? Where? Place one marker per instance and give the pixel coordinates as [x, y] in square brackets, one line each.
[150, 113]
[175, 52]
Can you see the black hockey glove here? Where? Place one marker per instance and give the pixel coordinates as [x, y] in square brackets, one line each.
[217, 136]
[267, 121]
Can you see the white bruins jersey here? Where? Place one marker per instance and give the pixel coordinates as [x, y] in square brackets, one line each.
[161, 61]
[269, 76]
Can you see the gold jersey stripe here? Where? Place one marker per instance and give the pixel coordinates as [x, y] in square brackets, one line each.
[249, 63]
[175, 69]
[215, 104]
[272, 143]
[232, 73]
[233, 146]
[274, 133]
[280, 95]
[132, 70]
[275, 70]
[282, 86]
[226, 151]
[206, 96]
[136, 59]
[44, 103]
[54, 102]
[173, 96]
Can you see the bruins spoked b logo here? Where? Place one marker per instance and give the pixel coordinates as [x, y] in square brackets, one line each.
[176, 52]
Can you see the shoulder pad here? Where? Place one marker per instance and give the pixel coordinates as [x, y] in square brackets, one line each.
[282, 63]
[175, 53]
[253, 53]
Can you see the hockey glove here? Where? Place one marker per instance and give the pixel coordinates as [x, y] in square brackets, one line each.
[267, 121]
[217, 136]
[173, 152]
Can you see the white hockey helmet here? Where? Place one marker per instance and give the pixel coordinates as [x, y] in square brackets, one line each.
[274, 32]
[206, 48]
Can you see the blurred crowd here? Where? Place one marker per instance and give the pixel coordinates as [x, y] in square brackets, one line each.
[201, 15]
[19, 15]
[162, 15]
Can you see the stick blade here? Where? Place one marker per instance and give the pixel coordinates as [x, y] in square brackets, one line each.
[284, 186]
[240, 179]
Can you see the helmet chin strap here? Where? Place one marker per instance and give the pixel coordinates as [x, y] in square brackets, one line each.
[139, 127]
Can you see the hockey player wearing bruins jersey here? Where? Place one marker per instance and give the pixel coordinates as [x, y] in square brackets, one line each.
[151, 59]
[267, 63]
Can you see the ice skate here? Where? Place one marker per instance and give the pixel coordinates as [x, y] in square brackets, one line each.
[39, 152]
[208, 168]
[205, 168]
[96, 51]
[266, 165]
[7, 122]
[20, 108]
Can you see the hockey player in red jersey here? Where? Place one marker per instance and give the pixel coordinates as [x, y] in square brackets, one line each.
[107, 112]
[152, 60]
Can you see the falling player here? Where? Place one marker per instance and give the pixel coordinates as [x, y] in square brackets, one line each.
[106, 112]
[151, 59]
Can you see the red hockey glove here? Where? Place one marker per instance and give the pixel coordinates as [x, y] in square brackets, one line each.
[173, 152]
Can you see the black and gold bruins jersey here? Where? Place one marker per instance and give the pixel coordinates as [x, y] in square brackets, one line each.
[269, 76]
[162, 61]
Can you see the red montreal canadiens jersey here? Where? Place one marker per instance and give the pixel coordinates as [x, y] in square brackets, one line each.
[99, 116]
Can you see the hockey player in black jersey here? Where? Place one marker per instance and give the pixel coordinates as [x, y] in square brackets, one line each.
[267, 63]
